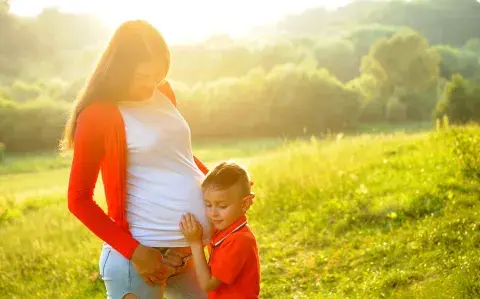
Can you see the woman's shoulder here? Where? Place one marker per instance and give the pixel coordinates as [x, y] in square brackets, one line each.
[99, 113]
[166, 89]
[98, 110]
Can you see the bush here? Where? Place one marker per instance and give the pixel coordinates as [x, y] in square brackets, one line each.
[289, 100]
[473, 45]
[396, 110]
[465, 148]
[33, 126]
[460, 102]
[21, 91]
[457, 61]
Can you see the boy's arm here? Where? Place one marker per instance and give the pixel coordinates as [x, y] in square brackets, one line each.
[192, 230]
[206, 280]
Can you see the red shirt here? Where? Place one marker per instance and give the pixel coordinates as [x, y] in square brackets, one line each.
[100, 144]
[234, 260]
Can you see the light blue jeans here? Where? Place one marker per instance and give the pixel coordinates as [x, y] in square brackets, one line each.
[120, 279]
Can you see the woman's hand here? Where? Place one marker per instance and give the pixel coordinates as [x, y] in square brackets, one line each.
[191, 229]
[173, 259]
[148, 264]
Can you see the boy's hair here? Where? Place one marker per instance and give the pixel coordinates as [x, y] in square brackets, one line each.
[227, 174]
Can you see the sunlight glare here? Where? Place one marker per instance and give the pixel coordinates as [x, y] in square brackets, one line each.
[183, 20]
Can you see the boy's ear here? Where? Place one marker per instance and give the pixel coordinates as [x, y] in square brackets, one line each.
[248, 201]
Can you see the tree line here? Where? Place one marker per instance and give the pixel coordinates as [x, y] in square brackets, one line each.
[290, 85]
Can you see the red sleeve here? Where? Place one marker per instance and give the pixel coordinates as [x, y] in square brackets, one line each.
[87, 157]
[200, 165]
[231, 258]
[167, 90]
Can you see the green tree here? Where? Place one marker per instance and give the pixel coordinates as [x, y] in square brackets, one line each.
[459, 101]
[338, 56]
[278, 53]
[396, 110]
[364, 37]
[15, 42]
[405, 60]
[453, 61]
[403, 65]
[473, 45]
[440, 21]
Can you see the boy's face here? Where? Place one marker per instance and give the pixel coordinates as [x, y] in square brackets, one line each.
[224, 207]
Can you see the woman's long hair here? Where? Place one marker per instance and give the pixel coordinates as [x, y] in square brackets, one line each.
[134, 42]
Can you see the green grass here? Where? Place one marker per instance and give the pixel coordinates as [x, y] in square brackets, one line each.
[208, 150]
[28, 163]
[373, 216]
[411, 127]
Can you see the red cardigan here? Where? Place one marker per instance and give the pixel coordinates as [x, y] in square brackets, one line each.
[100, 143]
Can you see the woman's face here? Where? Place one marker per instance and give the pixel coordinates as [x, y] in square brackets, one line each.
[145, 78]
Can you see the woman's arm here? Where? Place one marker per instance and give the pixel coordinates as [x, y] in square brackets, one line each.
[88, 154]
[89, 149]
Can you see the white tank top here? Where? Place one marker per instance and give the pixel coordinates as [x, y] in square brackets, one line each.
[163, 181]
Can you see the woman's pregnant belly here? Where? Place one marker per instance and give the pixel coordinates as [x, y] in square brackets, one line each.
[156, 201]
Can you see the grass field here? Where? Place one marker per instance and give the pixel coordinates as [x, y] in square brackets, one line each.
[372, 216]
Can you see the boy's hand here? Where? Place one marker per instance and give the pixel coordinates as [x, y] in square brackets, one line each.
[191, 229]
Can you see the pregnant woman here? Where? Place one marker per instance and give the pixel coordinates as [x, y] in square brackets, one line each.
[125, 124]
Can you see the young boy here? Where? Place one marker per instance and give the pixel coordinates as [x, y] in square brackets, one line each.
[233, 268]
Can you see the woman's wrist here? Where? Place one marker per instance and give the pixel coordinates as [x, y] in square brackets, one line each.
[137, 253]
[140, 252]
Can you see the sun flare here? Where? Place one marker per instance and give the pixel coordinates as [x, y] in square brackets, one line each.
[182, 20]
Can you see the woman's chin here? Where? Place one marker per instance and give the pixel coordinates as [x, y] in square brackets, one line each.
[142, 95]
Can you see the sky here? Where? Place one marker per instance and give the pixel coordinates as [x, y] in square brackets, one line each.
[182, 20]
